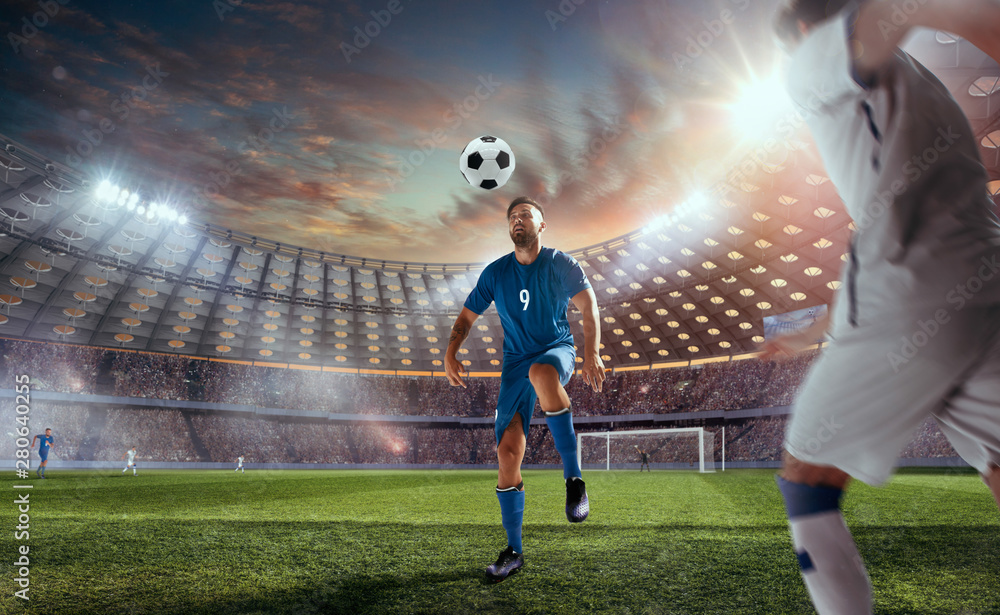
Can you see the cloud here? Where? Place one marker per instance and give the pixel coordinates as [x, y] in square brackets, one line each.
[607, 145]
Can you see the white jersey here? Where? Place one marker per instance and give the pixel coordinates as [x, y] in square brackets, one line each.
[239, 460]
[916, 326]
[916, 189]
[131, 456]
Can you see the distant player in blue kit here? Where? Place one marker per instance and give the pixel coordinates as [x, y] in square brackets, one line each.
[532, 287]
[44, 444]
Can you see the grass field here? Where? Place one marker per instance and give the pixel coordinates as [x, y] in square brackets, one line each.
[303, 541]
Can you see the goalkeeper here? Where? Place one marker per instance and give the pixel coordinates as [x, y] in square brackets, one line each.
[645, 459]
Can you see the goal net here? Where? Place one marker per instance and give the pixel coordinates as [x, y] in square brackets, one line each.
[691, 448]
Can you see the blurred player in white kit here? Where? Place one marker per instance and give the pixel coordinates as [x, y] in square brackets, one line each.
[915, 330]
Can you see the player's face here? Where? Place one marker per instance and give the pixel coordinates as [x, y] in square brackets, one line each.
[524, 224]
[48, 432]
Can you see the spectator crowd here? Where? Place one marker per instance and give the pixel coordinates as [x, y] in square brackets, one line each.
[98, 432]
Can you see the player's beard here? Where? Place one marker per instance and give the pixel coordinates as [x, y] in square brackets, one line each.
[524, 239]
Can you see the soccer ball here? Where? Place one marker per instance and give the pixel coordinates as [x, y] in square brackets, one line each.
[487, 162]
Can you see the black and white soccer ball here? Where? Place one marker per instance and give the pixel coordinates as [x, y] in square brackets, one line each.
[487, 162]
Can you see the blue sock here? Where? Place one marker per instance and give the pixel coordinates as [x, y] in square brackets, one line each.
[512, 514]
[561, 426]
[801, 500]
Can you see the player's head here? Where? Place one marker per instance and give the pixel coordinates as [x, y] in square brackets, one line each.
[796, 17]
[48, 431]
[522, 200]
[525, 221]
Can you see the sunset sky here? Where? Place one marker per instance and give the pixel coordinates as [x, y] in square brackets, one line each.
[289, 121]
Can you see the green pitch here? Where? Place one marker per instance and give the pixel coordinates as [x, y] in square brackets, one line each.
[301, 542]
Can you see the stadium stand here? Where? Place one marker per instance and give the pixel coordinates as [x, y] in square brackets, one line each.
[274, 415]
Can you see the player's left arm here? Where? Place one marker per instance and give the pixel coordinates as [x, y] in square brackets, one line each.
[877, 34]
[593, 366]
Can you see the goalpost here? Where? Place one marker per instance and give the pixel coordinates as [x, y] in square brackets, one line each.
[678, 448]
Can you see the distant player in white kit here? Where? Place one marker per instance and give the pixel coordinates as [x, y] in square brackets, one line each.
[239, 465]
[915, 330]
[131, 460]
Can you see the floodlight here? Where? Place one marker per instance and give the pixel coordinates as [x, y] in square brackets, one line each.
[761, 107]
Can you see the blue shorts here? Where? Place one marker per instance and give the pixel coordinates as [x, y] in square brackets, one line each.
[43, 453]
[516, 392]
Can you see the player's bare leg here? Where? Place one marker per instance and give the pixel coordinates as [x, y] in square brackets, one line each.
[510, 494]
[552, 397]
[510, 453]
[828, 557]
[798, 471]
[555, 404]
[992, 480]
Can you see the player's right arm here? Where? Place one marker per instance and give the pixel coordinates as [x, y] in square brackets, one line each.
[789, 345]
[453, 368]
[877, 31]
[35, 439]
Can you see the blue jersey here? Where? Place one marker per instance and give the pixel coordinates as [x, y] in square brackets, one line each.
[531, 300]
[44, 442]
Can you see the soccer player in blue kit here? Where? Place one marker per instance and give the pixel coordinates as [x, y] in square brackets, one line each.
[44, 444]
[532, 287]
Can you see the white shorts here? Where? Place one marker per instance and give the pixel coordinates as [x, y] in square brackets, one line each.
[874, 386]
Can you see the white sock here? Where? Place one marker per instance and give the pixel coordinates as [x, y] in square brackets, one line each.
[831, 565]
